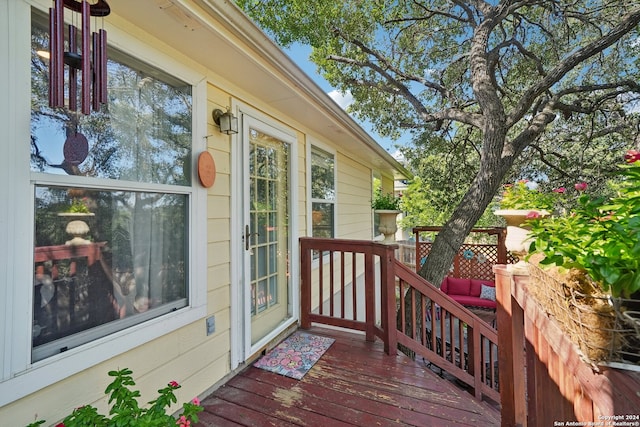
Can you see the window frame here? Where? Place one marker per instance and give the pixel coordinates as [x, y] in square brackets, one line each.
[313, 143]
[322, 151]
[18, 375]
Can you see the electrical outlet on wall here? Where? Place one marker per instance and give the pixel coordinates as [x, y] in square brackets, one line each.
[211, 325]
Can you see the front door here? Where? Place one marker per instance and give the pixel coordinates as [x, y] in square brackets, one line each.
[267, 235]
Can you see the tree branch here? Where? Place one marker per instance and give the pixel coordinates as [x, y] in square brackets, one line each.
[428, 14]
[455, 114]
[543, 158]
[627, 24]
[532, 132]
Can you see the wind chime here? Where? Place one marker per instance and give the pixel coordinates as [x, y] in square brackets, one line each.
[90, 61]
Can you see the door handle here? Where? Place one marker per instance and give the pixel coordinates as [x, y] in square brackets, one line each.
[246, 236]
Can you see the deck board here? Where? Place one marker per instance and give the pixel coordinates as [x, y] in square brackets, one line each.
[354, 383]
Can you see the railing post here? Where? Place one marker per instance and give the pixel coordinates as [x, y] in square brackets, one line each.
[305, 285]
[416, 233]
[502, 246]
[518, 352]
[510, 351]
[475, 360]
[369, 295]
[388, 301]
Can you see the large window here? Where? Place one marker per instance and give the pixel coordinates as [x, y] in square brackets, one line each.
[323, 193]
[112, 196]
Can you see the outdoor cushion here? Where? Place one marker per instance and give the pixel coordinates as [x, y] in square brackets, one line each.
[473, 301]
[476, 286]
[467, 291]
[488, 292]
[458, 286]
[443, 286]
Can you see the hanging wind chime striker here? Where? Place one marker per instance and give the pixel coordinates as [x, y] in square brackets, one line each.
[90, 61]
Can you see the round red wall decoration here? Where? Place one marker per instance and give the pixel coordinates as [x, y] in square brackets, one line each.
[206, 169]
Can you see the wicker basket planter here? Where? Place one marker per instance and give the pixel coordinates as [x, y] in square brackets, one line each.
[605, 329]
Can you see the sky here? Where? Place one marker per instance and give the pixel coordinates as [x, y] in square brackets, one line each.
[300, 55]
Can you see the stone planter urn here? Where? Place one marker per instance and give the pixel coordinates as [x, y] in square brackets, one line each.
[388, 225]
[517, 240]
[77, 227]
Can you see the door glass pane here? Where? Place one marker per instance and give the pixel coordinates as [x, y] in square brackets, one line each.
[273, 289]
[262, 295]
[269, 193]
[273, 258]
[262, 259]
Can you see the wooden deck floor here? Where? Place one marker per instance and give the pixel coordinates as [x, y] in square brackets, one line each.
[354, 383]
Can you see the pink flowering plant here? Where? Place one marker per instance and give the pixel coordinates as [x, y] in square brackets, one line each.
[601, 236]
[125, 410]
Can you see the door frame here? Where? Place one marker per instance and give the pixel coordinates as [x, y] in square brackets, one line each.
[241, 348]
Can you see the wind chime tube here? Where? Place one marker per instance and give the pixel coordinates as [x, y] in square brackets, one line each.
[59, 31]
[52, 54]
[56, 55]
[89, 56]
[97, 72]
[73, 73]
[99, 69]
[102, 37]
[86, 58]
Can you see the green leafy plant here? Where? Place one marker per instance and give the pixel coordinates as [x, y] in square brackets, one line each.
[125, 411]
[521, 196]
[78, 206]
[385, 201]
[601, 236]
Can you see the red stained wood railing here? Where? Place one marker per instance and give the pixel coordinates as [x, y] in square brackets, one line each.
[91, 251]
[543, 379]
[360, 285]
[343, 283]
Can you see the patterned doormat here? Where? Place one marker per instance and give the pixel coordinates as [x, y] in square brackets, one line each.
[294, 356]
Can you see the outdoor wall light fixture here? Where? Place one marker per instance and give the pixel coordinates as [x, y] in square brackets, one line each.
[226, 120]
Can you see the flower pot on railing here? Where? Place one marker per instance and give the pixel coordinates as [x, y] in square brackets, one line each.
[388, 225]
[517, 240]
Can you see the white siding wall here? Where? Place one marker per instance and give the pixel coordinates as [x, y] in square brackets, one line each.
[354, 198]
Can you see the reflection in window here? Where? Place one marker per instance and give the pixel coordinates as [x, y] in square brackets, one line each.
[143, 134]
[104, 260]
[323, 195]
[111, 201]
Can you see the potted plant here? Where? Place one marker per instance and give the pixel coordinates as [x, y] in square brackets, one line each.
[77, 227]
[601, 236]
[387, 206]
[78, 207]
[592, 256]
[521, 202]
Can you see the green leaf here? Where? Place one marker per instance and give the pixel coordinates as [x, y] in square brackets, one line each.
[632, 285]
[610, 274]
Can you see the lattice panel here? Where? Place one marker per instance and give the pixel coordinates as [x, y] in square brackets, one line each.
[473, 261]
